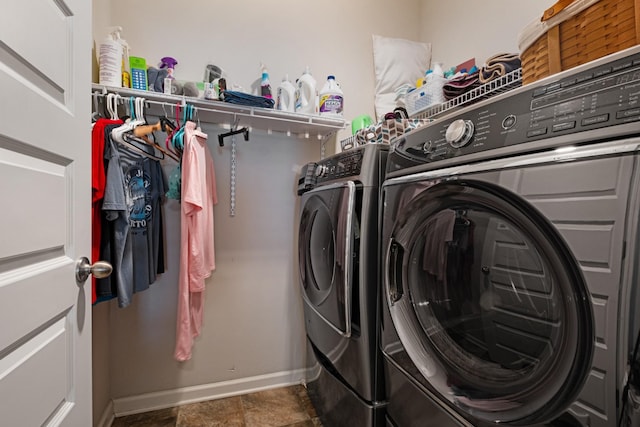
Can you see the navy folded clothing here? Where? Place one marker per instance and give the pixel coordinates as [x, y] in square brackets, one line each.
[498, 66]
[242, 98]
[460, 85]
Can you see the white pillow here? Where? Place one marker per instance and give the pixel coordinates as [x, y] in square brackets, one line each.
[397, 62]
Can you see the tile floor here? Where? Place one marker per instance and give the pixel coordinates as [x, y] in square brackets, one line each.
[282, 407]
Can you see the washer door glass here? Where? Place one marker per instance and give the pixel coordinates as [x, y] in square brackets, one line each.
[324, 252]
[489, 303]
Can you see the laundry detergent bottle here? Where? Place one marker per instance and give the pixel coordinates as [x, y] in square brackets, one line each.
[331, 98]
[110, 59]
[306, 94]
[286, 95]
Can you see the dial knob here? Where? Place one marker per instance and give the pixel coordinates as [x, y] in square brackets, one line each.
[427, 147]
[322, 170]
[459, 133]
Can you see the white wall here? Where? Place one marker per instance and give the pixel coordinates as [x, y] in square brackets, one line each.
[459, 29]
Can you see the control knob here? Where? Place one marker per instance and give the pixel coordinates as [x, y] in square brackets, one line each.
[459, 133]
[322, 170]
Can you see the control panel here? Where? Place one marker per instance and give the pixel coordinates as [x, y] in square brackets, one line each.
[605, 95]
[343, 165]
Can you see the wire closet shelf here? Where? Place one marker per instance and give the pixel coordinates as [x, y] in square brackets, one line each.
[495, 87]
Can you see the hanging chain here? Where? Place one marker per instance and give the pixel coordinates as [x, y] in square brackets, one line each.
[232, 204]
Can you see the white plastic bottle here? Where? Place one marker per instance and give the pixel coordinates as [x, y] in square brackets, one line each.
[110, 59]
[331, 98]
[306, 94]
[437, 69]
[286, 96]
[433, 83]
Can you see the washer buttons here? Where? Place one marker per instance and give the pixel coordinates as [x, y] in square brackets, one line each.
[509, 121]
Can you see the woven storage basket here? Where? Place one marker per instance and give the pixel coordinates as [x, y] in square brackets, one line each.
[605, 27]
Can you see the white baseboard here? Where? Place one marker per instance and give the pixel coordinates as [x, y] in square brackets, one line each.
[170, 398]
[107, 416]
[312, 373]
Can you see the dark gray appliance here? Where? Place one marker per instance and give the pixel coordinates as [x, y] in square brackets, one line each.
[509, 248]
[338, 249]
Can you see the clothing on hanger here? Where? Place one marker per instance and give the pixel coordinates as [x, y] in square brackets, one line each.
[197, 257]
[130, 217]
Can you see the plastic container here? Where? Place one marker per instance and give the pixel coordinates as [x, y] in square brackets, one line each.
[110, 59]
[286, 96]
[434, 82]
[306, 94]
[331, 98]
[437, 69]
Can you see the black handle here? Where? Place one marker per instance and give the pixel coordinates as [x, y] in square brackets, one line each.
[396, 255]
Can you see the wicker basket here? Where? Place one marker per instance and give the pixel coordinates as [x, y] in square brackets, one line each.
[605, 27]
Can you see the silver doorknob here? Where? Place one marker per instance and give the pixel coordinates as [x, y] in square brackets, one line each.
[99, 269]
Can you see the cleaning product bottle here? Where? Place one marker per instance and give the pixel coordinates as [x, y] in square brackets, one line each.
[265, 84]
[434, 83]
[286, 95]
[331, 98]
[126, 67]
[169, 63]
[437, 69]
[110, 59]
[306, 94]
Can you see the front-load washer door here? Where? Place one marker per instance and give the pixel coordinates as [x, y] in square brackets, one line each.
[325, 253]
[487, 300]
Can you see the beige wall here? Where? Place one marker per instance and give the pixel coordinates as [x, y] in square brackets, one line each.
[460, 29]
[253, 321]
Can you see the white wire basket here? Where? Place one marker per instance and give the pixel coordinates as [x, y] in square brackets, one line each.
[495, 87]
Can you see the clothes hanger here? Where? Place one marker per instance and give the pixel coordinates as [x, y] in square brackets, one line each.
[141, 132]
[112, 105]
[139, 145]
[198, 130]
[118, 133]
[124, 136]
[244, 131]
[172, 139]
[96, 114]
[177, 141]
[234, 131]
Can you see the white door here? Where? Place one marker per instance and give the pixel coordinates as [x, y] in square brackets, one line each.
[45, 317]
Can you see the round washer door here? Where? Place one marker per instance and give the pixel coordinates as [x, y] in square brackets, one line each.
[489, 302]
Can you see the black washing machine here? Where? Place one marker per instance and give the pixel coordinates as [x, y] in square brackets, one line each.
[339, 277]
[509, 248]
